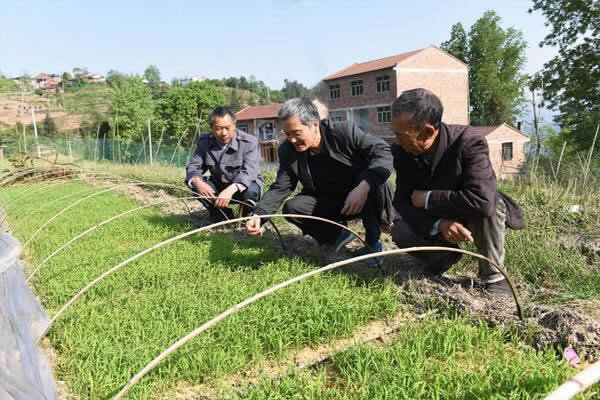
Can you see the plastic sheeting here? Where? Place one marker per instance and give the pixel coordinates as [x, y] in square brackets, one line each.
[25, 373]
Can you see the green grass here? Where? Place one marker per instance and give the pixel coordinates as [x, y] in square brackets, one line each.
[432, 359]
[128, 319]
[131, 317]
[536, 254]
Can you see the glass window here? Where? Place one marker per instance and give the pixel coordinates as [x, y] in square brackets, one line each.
[507, 151]
[357, 88]
[383, 83]
[384, 115]
[334, 91]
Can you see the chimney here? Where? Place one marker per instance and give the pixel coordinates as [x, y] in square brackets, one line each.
[520, 126]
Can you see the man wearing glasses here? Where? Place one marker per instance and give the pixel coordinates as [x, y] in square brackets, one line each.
[343, 172]
[446, 189]
[231, 157]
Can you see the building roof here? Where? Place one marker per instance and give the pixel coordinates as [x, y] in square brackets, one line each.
[258, 112]
[485, 130]
[373, 65]
[41, 76]
[382, 63]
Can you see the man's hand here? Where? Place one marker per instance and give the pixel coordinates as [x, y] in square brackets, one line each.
[417, 198]
[202, 188]
[222, 200]
[253, 227]
[356, 199]
[454, 231]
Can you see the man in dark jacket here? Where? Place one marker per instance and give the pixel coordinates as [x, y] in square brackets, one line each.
[343, 172]
[231, 157]
[446, 189]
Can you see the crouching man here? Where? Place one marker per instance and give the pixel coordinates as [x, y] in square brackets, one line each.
[343, 172]
[446, 189]
[231, 157]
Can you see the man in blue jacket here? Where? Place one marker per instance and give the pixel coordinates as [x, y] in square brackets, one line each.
[231, 157]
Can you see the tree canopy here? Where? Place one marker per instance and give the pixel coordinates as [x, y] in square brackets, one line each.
[495, 57]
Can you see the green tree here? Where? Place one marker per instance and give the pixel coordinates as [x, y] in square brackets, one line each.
[49, 126]
[458, 44]
[130, 108]
[495, 58]
[113, 77]
[152, 75]
[185, 109]
[571, 80]
[293, 89]
[6, 85]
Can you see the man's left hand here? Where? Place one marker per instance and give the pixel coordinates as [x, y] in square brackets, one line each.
[223, 198]
[418, 198]
[356, 199]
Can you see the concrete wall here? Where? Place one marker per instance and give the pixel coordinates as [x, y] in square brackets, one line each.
[506, 169]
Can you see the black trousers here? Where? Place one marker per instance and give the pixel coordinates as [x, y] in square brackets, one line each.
[250, 196]
[329, 206]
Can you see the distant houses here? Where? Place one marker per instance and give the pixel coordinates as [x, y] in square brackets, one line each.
[49, 82]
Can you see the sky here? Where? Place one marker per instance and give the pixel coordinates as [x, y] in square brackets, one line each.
[301, 40]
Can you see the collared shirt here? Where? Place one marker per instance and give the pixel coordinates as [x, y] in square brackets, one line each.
[234, 163]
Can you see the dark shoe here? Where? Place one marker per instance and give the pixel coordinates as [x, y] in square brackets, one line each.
[375, 248]
[342, 240]
[220, 215]
[442, 265]
[500, 288]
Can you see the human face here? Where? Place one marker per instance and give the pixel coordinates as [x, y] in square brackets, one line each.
[412, 138]
[302, 137]
[223, 129]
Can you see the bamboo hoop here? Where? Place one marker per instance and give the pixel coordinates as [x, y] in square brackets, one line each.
[577, 384]
[70, 206]
[171, 240]
[179, 343]
[94, 227]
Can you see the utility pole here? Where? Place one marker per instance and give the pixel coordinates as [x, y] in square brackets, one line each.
[538, 141]
[35, 133]
[150, 140]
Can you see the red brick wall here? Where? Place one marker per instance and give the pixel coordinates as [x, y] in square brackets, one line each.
[369, 96]
[444, 75]
[432, 69]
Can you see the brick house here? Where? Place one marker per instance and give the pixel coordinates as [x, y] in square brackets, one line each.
[262, 122]
[507, 148]
[364, 92]
[46, 81]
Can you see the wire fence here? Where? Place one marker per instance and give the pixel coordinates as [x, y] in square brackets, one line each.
[102, 149]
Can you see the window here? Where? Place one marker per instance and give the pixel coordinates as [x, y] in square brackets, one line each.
[336, 116]
[384, 115]
[383, 83]
[357, 88]
[507, 151]
[267, 130]
[243, 127]
[334, 91]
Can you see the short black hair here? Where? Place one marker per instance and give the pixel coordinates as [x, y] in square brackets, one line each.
[423, 104]
[220, 111]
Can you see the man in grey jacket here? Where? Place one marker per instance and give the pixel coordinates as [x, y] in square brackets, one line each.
[231, 157]
[343, 172]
